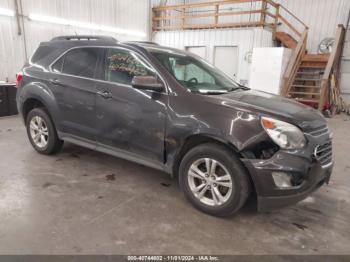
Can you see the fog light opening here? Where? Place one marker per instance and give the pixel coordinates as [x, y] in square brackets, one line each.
[282, 180]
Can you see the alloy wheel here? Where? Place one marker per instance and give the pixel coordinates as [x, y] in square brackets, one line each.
[210, 181]
[39, 131]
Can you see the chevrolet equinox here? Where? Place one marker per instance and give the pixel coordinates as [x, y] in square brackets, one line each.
[171, 110]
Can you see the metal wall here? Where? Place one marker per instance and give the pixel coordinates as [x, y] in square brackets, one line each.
[345, 67]
[321, 16]
[14, 48]
[244, 39]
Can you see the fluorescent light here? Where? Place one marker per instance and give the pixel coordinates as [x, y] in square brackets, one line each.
[6, 12]
[62, 21]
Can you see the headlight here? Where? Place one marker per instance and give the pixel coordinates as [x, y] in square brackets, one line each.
[285, 135]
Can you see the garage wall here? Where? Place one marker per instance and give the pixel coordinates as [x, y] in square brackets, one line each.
[15, 49]
[345, 67]
[321, 16]
[244, 39]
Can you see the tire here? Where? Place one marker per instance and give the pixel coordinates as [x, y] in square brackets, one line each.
[227, 163]
[48, 145]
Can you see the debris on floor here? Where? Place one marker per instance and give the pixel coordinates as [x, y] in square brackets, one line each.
[110, 177]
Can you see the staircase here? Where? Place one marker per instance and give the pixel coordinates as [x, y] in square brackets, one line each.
[306, 85]
[286, 39]
[307, 75]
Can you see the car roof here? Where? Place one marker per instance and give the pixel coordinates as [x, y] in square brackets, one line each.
[48, 51]
[102, 40]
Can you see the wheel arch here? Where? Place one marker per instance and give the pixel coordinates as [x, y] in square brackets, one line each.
[38, 94]
[198, 139]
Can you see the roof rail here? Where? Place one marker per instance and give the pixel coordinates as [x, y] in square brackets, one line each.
[84, 38]
[141, 42]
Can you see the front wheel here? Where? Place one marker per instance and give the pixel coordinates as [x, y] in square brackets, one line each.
[214, 180]
[42, 133]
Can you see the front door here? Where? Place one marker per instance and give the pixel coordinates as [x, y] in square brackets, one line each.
[129, 119]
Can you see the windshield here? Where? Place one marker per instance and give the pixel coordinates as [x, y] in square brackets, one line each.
[195, 74]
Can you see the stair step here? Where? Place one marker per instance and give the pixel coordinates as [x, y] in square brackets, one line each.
[315, 58]
[304, 93]
[312, 73]
[305, 100]
[286, 39]
[306, 79]
[306, 86]
[313, 66]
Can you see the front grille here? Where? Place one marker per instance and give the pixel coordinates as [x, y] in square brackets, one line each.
[319, 131]
[323, 153]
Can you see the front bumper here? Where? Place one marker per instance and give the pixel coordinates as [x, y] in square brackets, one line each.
[297, 163]
[318, 176]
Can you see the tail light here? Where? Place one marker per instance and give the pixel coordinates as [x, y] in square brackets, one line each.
[19, 78]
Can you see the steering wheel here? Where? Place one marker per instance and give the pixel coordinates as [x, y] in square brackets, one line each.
[193, 81]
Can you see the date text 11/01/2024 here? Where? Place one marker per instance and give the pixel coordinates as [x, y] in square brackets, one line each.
[173, 258]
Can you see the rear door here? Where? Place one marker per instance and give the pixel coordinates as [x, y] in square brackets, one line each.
[74, 85]
[129, 119]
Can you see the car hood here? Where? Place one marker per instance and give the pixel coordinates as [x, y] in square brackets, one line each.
[264, 103]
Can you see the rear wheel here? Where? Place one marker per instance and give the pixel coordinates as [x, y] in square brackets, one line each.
[214, 180]
[42, 133]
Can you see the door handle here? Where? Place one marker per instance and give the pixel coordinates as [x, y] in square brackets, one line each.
[55, 82]
[104, 94]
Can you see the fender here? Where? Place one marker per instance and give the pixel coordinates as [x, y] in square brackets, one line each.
[39, 91]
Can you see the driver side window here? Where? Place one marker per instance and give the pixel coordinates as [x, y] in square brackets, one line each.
[187, 71]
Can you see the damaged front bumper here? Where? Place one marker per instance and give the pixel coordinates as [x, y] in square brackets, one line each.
[308, 168]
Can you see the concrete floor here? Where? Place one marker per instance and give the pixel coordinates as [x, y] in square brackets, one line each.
[85, 202]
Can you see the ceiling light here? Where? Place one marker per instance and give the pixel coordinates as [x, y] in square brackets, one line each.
[62, 21]
[6, 12]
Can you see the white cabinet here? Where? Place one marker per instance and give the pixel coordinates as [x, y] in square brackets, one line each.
[267, 69]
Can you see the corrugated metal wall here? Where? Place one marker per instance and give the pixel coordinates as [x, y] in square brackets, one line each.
[322, 17]
[345, 67]
[244, 39]
[125, 14]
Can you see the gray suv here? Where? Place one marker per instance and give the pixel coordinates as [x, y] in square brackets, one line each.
[173, 111]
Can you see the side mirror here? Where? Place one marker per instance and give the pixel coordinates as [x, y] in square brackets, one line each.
[147, 83]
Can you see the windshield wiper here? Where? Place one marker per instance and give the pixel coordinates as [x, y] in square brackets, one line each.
[242, 87]
[206, 91]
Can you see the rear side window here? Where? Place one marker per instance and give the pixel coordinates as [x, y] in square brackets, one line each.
[122, 65]
[41, 53]
[80, 62]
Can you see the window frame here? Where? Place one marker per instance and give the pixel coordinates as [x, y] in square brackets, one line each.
[63, 55]
[53, 64]
[102, 61]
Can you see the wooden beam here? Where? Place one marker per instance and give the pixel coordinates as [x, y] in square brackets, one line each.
[295, 17]
[270, 14]
[207, 15]
[332, 61]
[211, 26]
[289, 25]
[263, 13]
[216, 21]
[203, 4]
[293, 63]
[270, 2]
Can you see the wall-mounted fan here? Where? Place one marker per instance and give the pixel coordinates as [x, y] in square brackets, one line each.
[325, 47]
